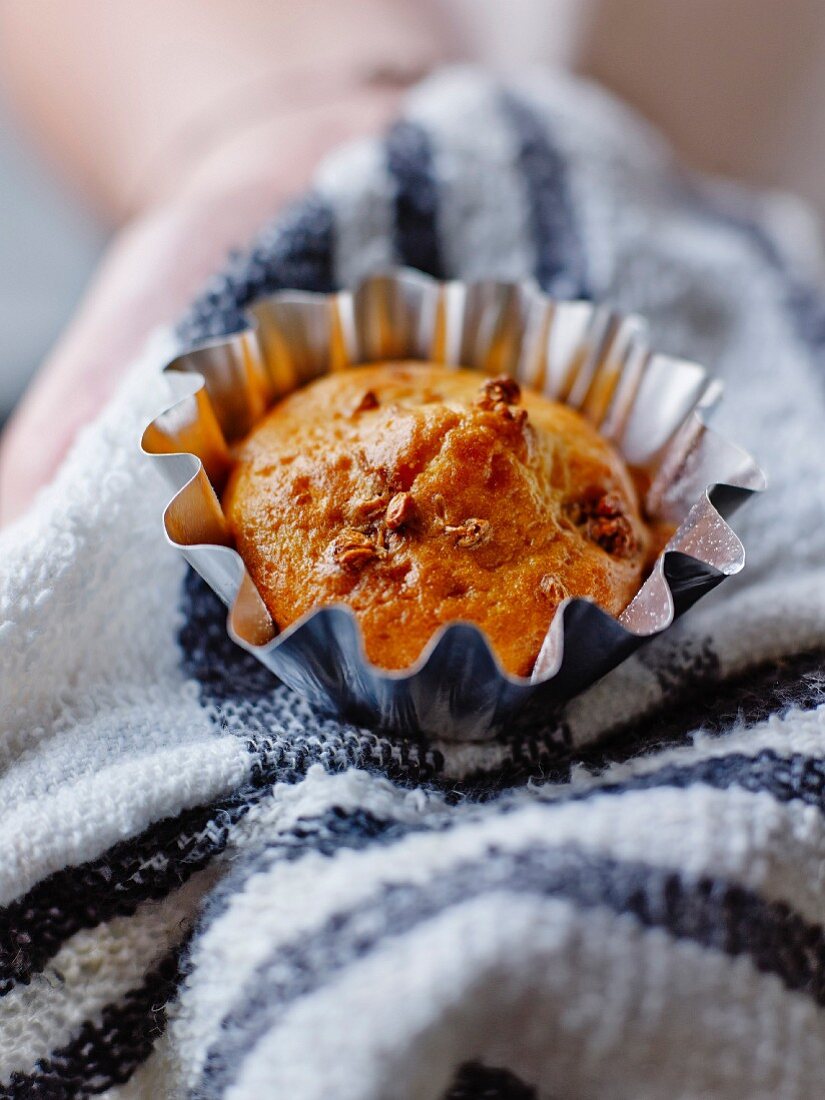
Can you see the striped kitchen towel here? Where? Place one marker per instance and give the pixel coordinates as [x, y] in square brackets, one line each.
[208, 890]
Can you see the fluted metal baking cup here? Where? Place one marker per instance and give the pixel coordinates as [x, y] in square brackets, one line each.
[650, 406]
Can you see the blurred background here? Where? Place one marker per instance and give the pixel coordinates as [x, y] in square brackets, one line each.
[735, 84]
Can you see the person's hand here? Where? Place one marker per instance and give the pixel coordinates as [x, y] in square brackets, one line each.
[159, 260]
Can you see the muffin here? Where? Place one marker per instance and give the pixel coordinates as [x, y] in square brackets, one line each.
[419, 495]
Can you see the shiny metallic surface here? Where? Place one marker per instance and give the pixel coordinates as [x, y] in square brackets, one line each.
[651, 406]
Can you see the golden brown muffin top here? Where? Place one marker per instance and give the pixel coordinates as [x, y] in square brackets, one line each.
[419, 494]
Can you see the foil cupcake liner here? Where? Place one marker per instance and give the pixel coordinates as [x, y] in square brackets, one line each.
[650, 406]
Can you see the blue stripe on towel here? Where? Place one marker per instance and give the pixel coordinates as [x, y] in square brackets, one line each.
[295, 251]
[415, 228]
[792, 778]
[561, 267]
[474, 1081]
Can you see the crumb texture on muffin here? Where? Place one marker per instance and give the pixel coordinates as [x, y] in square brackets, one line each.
[420, 494]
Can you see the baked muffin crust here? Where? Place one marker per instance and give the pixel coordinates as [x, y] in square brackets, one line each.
[419, 495]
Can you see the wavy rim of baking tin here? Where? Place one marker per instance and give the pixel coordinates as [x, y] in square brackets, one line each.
[183, 468]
